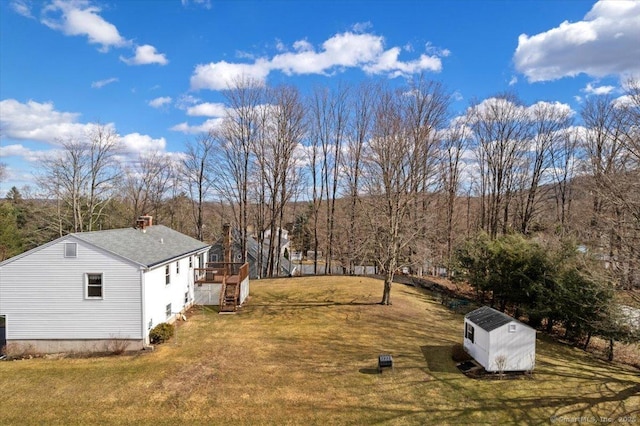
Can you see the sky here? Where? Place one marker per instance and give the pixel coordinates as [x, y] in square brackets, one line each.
[154, 70]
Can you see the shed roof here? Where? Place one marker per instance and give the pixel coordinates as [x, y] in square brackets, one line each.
[488, 318]
[149, 247]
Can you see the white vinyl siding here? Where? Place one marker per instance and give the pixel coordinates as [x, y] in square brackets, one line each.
[517, 346]
[158, 295]
[45, 295]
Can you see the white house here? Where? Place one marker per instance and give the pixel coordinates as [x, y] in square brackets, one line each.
[83, 290]
[493, 338]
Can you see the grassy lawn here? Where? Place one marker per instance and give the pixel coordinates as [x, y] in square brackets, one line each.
[304, 351]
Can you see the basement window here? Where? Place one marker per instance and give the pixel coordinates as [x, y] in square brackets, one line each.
[70, 249]
[94, 286]
[469, 332]
[168, 311]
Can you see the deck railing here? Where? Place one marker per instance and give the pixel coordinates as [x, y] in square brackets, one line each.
[219, 272]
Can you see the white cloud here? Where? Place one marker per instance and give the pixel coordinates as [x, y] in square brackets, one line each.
[160, 102]
[221, 75]
[346, 50]
[550, 109]
[16, 150]
[302, 46]
[101, 83]
[604, 43]
[207, 109]
[22, 7]
[80, 18]
[513, 80]
[590, 89]
[362, 27]
[137, 143]
[203, 3]
[186, 101]
[145, 55]
[39, 122]
[205, 127]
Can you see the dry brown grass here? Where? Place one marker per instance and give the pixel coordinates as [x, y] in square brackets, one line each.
[304, 351]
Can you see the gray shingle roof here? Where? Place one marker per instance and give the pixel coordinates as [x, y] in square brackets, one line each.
[488, 318]
[156, 245]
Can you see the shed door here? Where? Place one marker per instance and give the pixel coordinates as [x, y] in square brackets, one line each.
[3, 332]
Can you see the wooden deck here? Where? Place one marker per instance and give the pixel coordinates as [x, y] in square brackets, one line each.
[230, 276]
[219, 273]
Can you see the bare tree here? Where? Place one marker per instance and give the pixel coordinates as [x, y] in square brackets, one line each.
[455, 141]
[319, 133]
[501, 130]
[198, 171]
[238, 134]
[82, 177]
[3, 172]
[328, 126]
[146, 183]
[547, 124]
[400, 167]
[360, 130]
[563, 166]
[615, 191]
[284, 130]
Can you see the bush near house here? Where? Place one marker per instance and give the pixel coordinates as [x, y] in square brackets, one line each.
[161, 333]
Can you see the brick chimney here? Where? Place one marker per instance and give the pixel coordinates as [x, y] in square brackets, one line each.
[226, 230]
[144, 221]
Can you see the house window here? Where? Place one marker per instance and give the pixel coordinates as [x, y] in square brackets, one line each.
[213, 258]
[190, 261]
[512, 328]
[168, 311]
[94, 286]
[186, 297]
[469, 332]
[178, 267]
[167, 275]
[70, 249]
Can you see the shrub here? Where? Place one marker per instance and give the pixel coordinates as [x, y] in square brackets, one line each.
[458, 354]
[116, 345]
[161, 333]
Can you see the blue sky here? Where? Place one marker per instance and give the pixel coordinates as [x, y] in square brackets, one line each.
[154, 69]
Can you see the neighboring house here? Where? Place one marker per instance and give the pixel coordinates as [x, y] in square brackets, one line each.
[493, 338]
[216, 254]
[83, 290]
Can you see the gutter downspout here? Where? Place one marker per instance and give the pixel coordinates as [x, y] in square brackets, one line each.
[143, 313]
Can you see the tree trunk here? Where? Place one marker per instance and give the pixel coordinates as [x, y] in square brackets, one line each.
[386, 294]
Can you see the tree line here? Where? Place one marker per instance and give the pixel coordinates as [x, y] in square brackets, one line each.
[365, 174]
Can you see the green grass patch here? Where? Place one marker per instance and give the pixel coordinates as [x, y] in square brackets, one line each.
[304, 351]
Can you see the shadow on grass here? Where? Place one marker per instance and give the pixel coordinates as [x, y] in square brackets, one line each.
[304, 305]
[438, 358]
[369, 371]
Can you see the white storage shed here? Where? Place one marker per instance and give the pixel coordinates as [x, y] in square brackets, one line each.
[499, 342]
